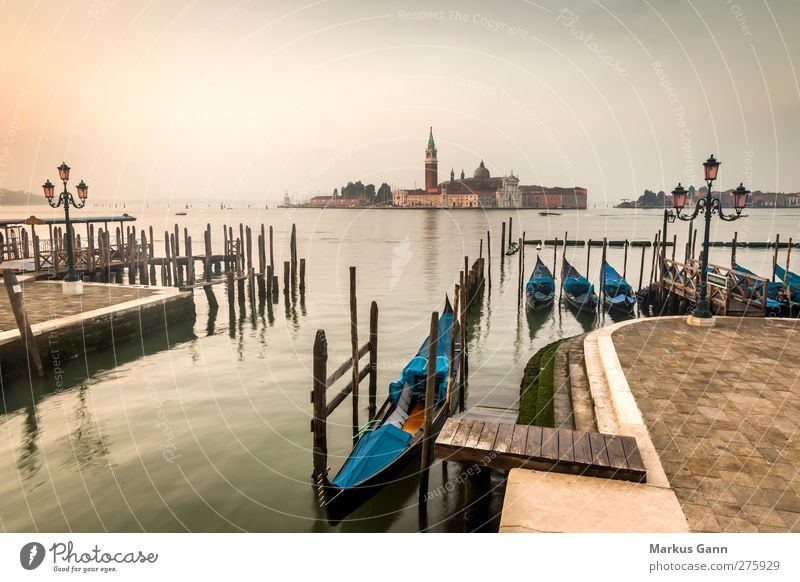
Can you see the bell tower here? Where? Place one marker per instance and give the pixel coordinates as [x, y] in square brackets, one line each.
[431, 166]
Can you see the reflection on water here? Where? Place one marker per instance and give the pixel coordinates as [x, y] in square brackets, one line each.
[29, 458]
[229, 395]
[89, 450]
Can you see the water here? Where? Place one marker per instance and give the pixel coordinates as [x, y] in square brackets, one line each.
[206, 428]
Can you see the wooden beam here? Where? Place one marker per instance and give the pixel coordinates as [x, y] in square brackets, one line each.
[319, 406]
[427, 425]
[354, 345]
[14, 290]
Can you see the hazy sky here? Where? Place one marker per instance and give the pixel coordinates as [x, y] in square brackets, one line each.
[245, 100]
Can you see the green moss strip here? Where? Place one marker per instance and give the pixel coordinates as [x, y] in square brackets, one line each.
[536, 389]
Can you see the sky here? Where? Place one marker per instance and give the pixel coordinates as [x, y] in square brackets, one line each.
[247, 100]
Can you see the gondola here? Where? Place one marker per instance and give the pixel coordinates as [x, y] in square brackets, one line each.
[776, 306]
[541, 287]
[775, 289]
[394, 436]
[578, 291]
[513, 248]
[792, 283]
[617, 293]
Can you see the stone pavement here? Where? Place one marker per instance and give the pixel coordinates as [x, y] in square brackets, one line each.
[722, 406]
[44, 300]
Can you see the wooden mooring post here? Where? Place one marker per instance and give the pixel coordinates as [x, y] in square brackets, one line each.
[271, 253]
[503, 242]
[489, 255]
[625, 261]
[354, 346]
[786, 275]
[775, 255]
[319, 407]
[520, 275]
[373, 357]
[563, 258]
[293, 251]
[451, 373]
[302, 276]
[602, 293]
[14, 290]
[427, 423]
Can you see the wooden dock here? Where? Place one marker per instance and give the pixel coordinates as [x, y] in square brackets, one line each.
[505, 446]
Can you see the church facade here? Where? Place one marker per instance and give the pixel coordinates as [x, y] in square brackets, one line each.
[483, 190]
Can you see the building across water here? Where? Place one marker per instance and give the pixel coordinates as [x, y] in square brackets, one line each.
[483, 190]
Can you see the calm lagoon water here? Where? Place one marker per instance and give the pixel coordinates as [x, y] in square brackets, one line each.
[206, 427]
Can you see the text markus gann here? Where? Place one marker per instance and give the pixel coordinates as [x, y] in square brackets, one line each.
[65, 553]
[676, 549]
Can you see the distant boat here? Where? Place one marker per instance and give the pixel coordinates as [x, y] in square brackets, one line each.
[513, 248]
[541, 287]
[395, 435]
[550, 213]
[578, 291]
[617, 293]
[180, 214]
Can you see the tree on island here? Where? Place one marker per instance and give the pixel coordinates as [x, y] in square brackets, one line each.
[366, 193]
[652, 199]
[384, 195]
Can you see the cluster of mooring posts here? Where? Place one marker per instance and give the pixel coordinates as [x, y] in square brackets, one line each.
[466, 293]
[125, 255]
[669, 285]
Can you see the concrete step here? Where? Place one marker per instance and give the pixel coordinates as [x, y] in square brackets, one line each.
[603, 405]
[491, 414]
[580, 392]
[562, 402]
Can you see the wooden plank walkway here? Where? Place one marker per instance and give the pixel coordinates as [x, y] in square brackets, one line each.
[505, 445]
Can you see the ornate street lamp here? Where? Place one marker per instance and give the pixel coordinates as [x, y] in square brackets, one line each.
[72, 284]
[708, 205]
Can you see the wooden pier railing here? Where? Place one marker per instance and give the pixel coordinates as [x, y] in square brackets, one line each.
[729, 291]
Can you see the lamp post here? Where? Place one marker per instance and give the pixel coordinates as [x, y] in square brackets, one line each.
[72, 284]
[701, 315]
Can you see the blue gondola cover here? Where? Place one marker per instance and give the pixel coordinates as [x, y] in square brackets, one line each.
[374, 451]
[416, 371]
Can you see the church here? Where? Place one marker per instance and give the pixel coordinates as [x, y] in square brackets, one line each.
[483, 190]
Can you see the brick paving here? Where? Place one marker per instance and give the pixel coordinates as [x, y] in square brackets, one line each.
[44, 300]
[723, 409]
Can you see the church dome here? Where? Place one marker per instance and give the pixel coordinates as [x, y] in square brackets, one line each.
[481, 173]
